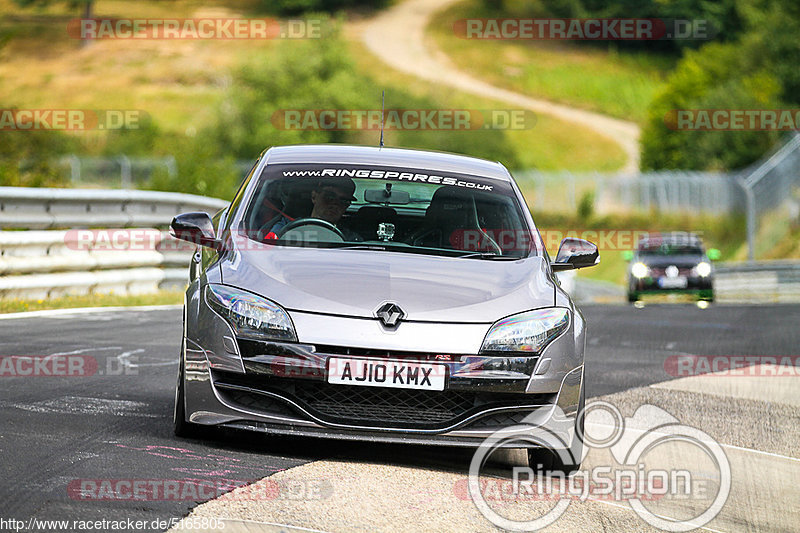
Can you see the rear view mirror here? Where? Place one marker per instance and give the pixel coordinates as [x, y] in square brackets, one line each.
[196, 228]
[382, 196]
[714, 254]
[575, 253]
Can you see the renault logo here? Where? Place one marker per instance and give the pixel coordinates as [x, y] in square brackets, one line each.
[390, 314]
[671, 271]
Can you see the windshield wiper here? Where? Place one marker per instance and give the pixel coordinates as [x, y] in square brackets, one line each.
[484, 255]
[377, 247]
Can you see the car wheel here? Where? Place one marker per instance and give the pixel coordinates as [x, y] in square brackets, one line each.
[553, 461]
[180, 426]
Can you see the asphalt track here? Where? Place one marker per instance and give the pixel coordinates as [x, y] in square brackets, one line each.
[116, 423]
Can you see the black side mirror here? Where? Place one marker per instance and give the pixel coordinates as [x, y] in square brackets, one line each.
[575, 253]
[196, 228]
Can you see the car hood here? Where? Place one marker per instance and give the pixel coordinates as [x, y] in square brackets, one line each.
[356, 282]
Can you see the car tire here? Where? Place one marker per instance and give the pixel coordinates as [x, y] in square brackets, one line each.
[180, 426]
[551, 460]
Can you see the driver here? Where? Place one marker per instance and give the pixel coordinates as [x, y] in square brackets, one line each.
[330, 198]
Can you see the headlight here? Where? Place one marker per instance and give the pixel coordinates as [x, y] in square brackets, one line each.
[531, 331]
[640, 270]
[249, 315]
[703, 269]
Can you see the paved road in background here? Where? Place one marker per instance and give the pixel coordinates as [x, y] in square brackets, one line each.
[116, 424]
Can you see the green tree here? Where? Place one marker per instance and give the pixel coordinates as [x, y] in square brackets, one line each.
[756, 71]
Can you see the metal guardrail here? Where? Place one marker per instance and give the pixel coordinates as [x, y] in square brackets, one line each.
[35, 208]
[42, 264]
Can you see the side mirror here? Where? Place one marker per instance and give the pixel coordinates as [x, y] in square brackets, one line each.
[575, 253]
[627, 255]
[196, 228]
[714, 254]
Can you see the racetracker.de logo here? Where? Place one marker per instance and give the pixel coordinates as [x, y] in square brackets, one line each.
[403, 119]
[733, 365]
[575, 29]
[198, 489]
[70, 119]
[733, 119]
[193, 28]
[73, 365]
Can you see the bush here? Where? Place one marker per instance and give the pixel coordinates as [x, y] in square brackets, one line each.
[28, 158]
[712, 78]
[586, 206]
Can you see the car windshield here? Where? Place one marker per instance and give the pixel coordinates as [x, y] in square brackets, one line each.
[388, 208]
[664, 249]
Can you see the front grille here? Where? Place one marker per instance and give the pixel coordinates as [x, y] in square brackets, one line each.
[369, 406]
[250, 348]
[374, 404]
[660, 272]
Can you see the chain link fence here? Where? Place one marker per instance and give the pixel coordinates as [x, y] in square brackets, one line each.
[772, 182]
[666, 191]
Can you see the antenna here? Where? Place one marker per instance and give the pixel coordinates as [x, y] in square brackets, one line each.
[383, 93]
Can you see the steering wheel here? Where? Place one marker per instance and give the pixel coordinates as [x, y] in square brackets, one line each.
[310, 222]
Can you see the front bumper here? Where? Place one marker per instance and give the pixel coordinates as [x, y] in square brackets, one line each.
[662, 284]
[285, 392]
[281, 388]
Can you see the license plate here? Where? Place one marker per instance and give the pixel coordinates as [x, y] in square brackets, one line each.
[673, 283]
[383, 373]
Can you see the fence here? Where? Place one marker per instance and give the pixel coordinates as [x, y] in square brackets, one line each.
[768, 184]
[41, 264]
[666, 191]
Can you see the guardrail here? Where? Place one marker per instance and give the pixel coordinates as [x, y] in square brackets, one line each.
[35, 208]
[762, 281]
[43, 264]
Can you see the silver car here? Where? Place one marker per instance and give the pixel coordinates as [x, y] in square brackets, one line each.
[379, 294]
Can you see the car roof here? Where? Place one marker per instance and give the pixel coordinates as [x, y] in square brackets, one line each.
[389, 157]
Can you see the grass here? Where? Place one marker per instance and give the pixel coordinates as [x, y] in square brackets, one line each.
[178, 82]
[15, 305]
[777, 237]
[550, 145]
[620, 84]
